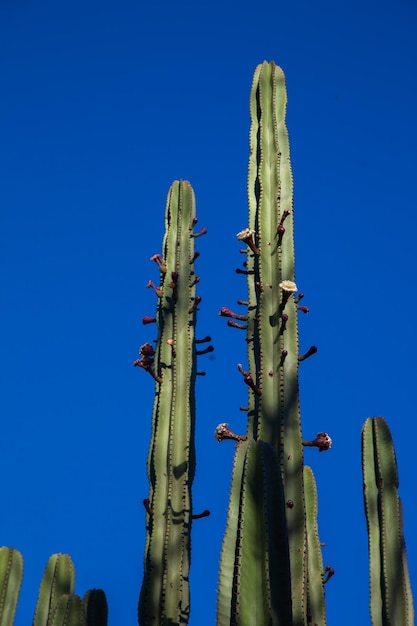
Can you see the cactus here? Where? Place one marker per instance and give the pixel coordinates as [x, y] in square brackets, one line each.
[95, 607]
[11, 572]
[390, 590]
[164, 597]
[271, 568]
[272, 376]
[316, 611]
[58, 579]
[57, 603]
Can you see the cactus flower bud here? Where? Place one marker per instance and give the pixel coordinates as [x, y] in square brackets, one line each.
[322, 442]
[246, 235]
[222, 432]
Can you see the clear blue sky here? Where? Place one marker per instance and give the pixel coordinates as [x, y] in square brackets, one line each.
[103, 105]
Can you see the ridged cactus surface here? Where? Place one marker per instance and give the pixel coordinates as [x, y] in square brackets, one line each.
[57, 604]
[390, 590]
[272, 378]
[11, 572]
[165, 595]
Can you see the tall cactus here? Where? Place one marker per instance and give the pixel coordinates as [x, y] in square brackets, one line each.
[271, 569]
[272, 376]
[164, 597]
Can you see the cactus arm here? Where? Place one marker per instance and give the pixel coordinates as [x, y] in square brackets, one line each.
[315, 589]
[11, 572]
[276, 412]
[226, 597]
[95, 607]
[68, 611]
[58, 579]
[252, 577]
[390, 591]
[252, 588]
[171, 461]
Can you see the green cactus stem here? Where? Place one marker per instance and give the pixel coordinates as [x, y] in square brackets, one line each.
[69, 611]
[253, 586]
[58, 580]
[316, 610]
[95, 607]
[272, 339]
[164, 597]
[11, 572]
[390, 591]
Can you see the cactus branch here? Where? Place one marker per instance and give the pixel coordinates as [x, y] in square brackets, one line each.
[390, 590]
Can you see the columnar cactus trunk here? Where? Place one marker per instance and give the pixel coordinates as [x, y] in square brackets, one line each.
[278, 566]
[164, 597]
[390, 589]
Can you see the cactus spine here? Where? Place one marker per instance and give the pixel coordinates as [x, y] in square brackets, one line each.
[390, 590]
[164, 597]
[273, 411]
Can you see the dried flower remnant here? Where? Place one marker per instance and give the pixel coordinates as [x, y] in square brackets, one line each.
[327, 574]
[147, 505]
[205, 351]
[195, 304]
[288, 288]
[246, 235]
[225, 312]
[160, 262]
[201, 232]
[304, 309]
[281, 228]
[170, 342]
[248, 380]
[146, 361]
[234, 324]
[147, 350]
[309, 353]
[284, 354]
[322, 441]
[285, 214]
[243, 272]
[203, 340]
[204, 513]
[284, 320]
[174, 286]
[148, 320]
[174, 277]
[156, 289]
[223, 432]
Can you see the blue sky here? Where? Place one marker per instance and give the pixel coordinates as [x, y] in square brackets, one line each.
[103, 105]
